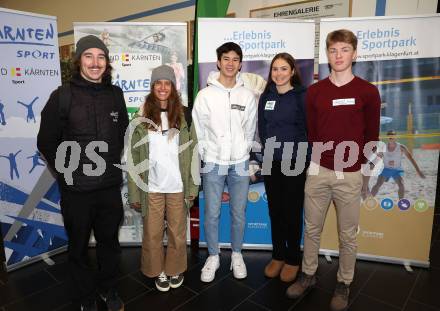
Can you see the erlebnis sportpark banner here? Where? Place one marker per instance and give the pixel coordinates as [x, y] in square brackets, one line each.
[30, 218]
[135, 50]
[260, 40]
[399, 55]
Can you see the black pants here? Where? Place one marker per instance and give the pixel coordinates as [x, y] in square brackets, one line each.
[102, 212]
[285, 196]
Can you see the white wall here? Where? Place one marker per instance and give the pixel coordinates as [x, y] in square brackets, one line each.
[71, 11]
[410, 7]
[358, 7]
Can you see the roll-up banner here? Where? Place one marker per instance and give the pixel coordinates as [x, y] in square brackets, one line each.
[403, 60]
[30, 218]
[260, 40]
[135, 50]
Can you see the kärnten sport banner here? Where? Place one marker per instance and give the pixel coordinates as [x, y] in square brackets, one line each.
[135, 50]
[30, 218]
[401, 57]
[260, 40]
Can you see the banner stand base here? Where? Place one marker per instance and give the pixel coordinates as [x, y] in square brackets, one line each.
[36, 259]
[328, 258]
[407, 263]
[408, 268]
[263, 247]
[329, 252]
[48, 260]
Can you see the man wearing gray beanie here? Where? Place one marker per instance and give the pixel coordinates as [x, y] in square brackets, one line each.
[82, 113]
[93, 70]
[89, 42]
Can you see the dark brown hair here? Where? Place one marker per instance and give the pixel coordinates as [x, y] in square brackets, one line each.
[106, 76]
[294, 80]
[151, 109]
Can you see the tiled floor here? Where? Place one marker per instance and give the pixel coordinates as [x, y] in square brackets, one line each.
[376, 287]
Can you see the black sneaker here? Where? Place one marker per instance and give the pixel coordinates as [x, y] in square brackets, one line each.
[176, 281]
[112, 300]
[89, 306]
[162, 282]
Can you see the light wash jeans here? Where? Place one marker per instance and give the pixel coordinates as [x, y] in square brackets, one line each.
[237, 179]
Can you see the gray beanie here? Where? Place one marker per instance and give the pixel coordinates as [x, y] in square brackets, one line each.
[89, 42]
[163, 72]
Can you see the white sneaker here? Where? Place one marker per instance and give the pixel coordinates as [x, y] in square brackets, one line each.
[211, 266]
[237, 266]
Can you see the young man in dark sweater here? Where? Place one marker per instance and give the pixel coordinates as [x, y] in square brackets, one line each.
[88, 115]
[343, 113]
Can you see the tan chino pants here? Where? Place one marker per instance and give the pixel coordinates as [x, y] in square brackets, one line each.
[154, 258]
[320, 190]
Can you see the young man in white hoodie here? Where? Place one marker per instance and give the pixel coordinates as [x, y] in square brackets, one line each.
[224, 117]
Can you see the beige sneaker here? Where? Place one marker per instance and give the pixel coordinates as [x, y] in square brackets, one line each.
[288, 273]
[303, 284]
[339, 300]
[273, 268]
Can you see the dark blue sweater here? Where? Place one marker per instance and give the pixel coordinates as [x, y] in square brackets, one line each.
[282, 116]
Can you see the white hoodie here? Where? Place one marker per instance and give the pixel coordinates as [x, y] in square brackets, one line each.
[225, 121]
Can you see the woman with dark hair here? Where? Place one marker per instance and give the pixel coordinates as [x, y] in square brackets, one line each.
[170, 188]
[282, 130]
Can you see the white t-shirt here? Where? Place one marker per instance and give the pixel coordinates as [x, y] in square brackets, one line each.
[393, 159]
[164, 172]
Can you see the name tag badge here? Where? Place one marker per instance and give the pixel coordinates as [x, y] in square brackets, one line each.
[343, 102]
[238, 107]
[270, 105]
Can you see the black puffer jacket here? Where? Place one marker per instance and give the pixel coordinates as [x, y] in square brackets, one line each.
[97, 113]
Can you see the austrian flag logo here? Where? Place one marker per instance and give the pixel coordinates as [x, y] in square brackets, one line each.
[16, 72]
[126, 58]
